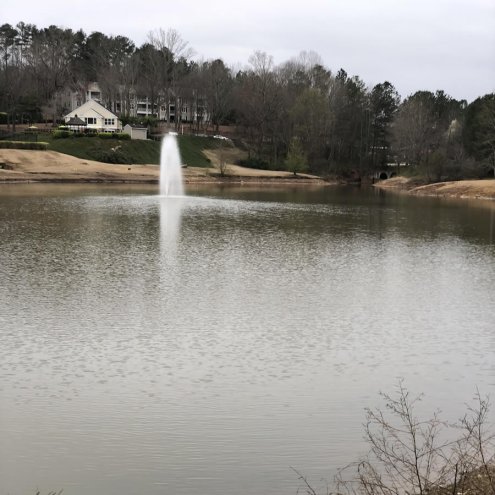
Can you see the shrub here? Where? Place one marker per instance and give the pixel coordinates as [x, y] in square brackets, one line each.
[106, 135]
[408, 454]
[61, 134]
[150, 121]
[122, 136]
[256, 163]
[110, 157]
[23, 145]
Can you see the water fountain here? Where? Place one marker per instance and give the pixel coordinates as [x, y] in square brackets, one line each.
[171, 195]
[170, 168]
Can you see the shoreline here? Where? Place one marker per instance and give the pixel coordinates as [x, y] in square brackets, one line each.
[481, 189]
[32, 166]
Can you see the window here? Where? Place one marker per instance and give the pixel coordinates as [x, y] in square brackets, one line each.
[90, 120]
[109, 121]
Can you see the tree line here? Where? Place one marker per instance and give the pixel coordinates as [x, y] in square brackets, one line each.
[295, 112]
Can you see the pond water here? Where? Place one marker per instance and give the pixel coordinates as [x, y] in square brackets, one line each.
[206, 345]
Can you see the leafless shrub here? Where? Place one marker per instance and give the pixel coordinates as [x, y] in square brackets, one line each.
[411, 456]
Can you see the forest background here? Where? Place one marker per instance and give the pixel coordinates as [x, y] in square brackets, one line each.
[299, 109]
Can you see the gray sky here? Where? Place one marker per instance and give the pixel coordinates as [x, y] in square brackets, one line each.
[414, 44]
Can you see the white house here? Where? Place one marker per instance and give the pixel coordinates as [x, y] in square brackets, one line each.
[96, 117]
[136, 132]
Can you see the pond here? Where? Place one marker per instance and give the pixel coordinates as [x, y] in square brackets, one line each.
[209, 344]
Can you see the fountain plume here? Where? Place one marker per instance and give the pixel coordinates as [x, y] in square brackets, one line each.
[170, 168]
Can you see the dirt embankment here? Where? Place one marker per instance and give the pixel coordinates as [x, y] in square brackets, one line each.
[50, 166]
[472, 189]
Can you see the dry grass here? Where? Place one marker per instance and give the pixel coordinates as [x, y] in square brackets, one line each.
[480, 189]
[51, 166]
[28, 165]
[233, 155]
[474, 189]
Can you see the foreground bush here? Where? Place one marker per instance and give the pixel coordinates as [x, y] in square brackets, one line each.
[412, 456]
[23, 145]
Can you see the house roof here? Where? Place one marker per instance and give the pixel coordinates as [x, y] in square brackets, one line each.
[75, 121]
[94, 106]
[134, 126]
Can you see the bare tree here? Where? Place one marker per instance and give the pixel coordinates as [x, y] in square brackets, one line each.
[406, 454]
[307, 61]
[476, 449]
[172, 41]
[259, 102]
[222, 161]
[218, 88]
[176, 53]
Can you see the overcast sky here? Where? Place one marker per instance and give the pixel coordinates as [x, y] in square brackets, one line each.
[414, 44]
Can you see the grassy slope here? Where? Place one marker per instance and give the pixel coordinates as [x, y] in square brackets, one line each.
[97, 149]
[94, 148]
[191, 149]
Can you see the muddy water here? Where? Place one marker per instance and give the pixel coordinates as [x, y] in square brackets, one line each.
[205, 345]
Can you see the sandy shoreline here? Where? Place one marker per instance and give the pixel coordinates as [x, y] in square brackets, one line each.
[18, 166]
[462, 189]
[24, 166]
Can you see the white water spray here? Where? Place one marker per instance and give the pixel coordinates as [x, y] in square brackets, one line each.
[170, 168]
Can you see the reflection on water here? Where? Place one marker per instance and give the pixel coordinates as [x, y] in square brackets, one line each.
[205, 345]
[492, 225]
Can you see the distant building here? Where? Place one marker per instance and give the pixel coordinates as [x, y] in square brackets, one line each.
[95, 116]
[165, 108]
[90, 91]
[136, 132]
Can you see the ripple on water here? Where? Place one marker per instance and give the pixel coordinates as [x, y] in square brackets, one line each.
[198, 345]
